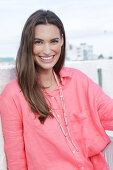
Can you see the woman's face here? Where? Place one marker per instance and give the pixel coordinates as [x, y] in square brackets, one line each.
[47, 46]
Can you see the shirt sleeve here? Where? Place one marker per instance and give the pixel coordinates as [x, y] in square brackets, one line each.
[104, 105]
[2, 154]
[13, 133]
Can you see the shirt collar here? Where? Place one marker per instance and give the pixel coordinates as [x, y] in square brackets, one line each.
[64, 73]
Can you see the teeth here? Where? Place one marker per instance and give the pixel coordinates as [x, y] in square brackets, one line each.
[46, 58]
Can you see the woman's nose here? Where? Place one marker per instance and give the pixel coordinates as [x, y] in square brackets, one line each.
[47, 49]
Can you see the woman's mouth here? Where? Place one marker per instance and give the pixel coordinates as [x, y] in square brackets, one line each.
[47, 59]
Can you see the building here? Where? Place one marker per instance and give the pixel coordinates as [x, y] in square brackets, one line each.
[80, 52]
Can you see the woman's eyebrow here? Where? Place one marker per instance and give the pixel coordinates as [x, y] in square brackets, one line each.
[56, 38]
[38, 39]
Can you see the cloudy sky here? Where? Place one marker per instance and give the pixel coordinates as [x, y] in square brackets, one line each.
[81, 18]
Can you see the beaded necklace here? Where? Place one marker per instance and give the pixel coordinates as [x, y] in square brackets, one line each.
[67, 133]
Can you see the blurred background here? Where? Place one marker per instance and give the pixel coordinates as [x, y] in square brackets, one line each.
[89, 32]
[88, 25]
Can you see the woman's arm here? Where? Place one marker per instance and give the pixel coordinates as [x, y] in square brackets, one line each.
[3, 164]
[104, 105]
[12, 132]
[105, 110]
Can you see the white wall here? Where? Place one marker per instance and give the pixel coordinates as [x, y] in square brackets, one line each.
[7, 73]
[90, 69]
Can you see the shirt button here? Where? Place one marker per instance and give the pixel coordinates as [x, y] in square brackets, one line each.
[52, 97]
[74, 151]
[82, 167]
[58, 116]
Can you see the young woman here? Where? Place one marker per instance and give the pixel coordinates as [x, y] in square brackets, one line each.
[53, 118]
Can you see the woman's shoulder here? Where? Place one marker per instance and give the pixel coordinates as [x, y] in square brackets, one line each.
[73, 72]
[11, 88]
[81, 79]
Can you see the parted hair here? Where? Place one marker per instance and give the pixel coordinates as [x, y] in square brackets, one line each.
[26, 67]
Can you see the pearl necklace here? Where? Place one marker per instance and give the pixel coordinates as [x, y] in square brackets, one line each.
[67, 133]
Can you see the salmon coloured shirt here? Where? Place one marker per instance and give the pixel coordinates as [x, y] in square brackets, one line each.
[30, 145]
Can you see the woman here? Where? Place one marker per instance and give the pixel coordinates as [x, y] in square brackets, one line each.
[53, 118]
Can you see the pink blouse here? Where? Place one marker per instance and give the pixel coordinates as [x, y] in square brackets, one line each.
[30, 145]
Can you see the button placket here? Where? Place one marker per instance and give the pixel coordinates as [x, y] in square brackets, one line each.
[53, 97]
[74, 151]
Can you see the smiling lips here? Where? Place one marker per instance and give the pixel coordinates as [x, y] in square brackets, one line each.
[47, 59]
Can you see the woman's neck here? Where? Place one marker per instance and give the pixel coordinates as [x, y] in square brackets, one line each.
[47, 79]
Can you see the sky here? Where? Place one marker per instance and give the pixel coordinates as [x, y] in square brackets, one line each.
[81, 18]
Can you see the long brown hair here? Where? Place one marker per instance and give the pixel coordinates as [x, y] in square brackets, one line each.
[26, 68]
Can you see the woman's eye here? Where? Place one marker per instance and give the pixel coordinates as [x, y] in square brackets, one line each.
[54, 41]
[38, 42]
